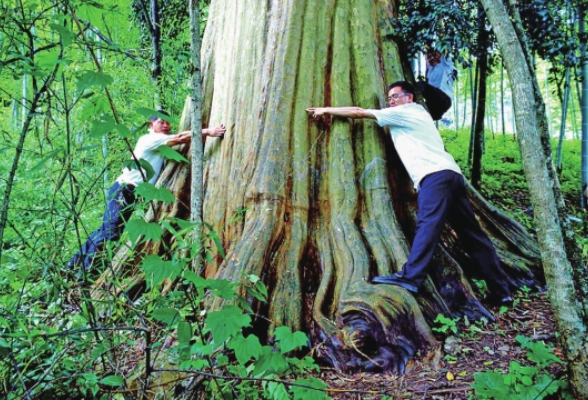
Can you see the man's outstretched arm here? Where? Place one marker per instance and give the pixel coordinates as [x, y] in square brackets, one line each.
[344, 112]
[184, 137]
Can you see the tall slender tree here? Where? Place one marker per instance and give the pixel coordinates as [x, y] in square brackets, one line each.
[558, 269]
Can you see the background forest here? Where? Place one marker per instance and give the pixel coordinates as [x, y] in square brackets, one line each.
[78, 82]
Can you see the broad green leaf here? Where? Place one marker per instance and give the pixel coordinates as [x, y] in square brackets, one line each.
[303, 393]
[288, 341]
[112, 380]
[102, 127]
[277, 391]
[122, 130]
[270, 362]
[147, 168]
[490, 384]
[245, 348]
[226, 323]
[96, 106]
[184, 333]
[171, 154]
[168, 316]
[149, 192]
[222, 288]
[90, 11]
[138, 227]
[156, 270]
[66, 35]
[47, 59]
[148, 112]
[88, 79]
[196, 279]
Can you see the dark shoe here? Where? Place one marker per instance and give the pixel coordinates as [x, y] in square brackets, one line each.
[396, 280]
[500, 301]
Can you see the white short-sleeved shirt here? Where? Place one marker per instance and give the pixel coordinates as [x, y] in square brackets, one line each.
[416, 139]
[441, 75]
[146, 149]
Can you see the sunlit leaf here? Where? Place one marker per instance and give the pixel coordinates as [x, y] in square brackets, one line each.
[138, 227]
[168, 316]
[245, 348]
[226, 322]
[149, 192]
[288, 340]
[171, 154]
[112, 380]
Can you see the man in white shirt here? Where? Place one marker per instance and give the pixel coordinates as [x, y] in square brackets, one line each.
[441, 191]
[120, 200]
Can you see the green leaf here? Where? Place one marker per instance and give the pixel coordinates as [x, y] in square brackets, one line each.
[288, 341]
[138, 227]
[168, 316]
[270, 362]
[217, 242]
[123, 131]
[102, 127]
[184, 333]
[490, 385]
[171, 154]
[277, 391]
[222, 288]
[149, 192]
[304, 393]
[147, 168]
[148, 112]
[226, 323]
[88, 79]
[47, 59]
[245, 348]
[66, 35]
[112, 380]
[156, 270]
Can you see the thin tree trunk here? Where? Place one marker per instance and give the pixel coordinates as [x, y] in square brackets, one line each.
[558, 270]
[474, 94]
[480, 114]
[197, 145]
[502, 119]
[584, 107]
[564, 110]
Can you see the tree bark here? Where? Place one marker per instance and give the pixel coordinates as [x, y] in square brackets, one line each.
[196, 125]
[324, 207]
[558, 270]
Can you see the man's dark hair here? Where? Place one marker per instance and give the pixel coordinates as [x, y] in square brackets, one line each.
[405, 86]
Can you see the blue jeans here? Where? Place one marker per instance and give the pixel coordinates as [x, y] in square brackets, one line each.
[442, 198]
[120, 202]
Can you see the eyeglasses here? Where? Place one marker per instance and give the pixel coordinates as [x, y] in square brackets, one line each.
[396, 96]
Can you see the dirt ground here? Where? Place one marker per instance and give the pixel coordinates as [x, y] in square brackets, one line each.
[474, 349]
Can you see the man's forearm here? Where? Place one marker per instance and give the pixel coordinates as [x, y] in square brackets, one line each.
[343, 112]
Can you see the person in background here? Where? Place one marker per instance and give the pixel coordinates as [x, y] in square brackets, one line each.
[120, 200]
[438, 88]
[441, 191]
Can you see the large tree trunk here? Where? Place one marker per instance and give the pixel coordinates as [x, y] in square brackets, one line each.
[558, 269]
[327, 206]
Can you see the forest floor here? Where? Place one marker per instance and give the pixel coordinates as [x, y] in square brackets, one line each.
[473, 349]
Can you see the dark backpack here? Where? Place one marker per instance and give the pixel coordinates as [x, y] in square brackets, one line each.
[436, 100]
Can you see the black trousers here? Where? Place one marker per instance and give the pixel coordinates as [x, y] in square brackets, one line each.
[442, 198]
